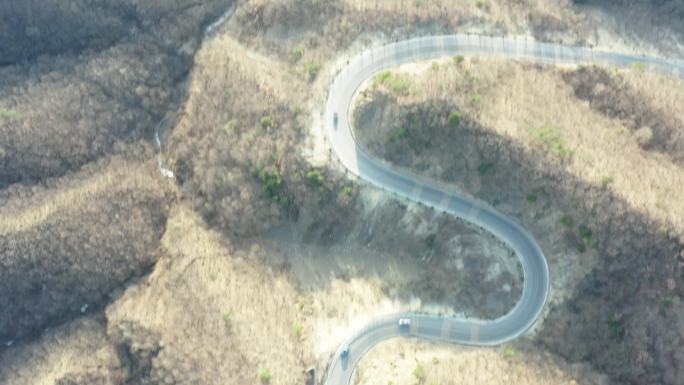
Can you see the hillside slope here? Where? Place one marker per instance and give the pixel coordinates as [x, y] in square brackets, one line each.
[585, 164]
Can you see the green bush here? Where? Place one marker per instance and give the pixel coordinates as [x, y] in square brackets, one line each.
[531, 198]
[296, 54]
[265, 376]
[663, 230]
[419, 373]
[485, 167]
[228, 318]
[509, 352]
[458, 59]
[552, 142]
[395, 83]
[567, 221]
[399, 134]
[313, 68]
[208, 209]
[615, 325]
[585, 232]
[454, 119]
[430, 241]
[665, 303]
[592, 241]
[272, 183]
[475, 100]
[8, 114]
[315, 178]
[380, 78]
[266, 122]
[297, 329]
[606, 180]
[581, 247]
[641, 67]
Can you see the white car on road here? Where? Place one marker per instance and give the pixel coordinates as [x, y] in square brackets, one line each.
[404, 322]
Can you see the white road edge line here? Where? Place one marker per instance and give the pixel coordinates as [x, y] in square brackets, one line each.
[357, 161]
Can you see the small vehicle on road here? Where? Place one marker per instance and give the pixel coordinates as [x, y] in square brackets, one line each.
[345, 351]
[404, 322]
[335, 120]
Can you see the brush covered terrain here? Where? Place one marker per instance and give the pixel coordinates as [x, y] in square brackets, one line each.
[588, 158]
[261, 255]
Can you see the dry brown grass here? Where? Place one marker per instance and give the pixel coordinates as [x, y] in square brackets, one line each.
[511, 15]
[517, 101]
[105, 178]
[395, 362]
[220, 316]
[91, 232]
[320, 29]
[526, 99]
[77, 348]
[571, 172]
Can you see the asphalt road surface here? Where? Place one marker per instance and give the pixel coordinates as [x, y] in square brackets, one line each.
[380, 173]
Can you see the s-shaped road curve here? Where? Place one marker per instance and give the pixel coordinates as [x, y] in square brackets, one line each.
[356, 160]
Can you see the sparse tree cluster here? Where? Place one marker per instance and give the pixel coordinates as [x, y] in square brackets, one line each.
[235, 151]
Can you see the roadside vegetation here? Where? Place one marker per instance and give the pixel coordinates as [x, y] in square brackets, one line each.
[81, 193]
[247, 178]
[566, 152]
[423, 363]
[395, 83]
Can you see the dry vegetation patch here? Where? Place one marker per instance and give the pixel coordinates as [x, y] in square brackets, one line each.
[120, 71]
[77, 353]
[32, 28]
[517, 136]
[640, 23]
[235, 150]
[68, 112]
[73, 241]
[212, 314]
[536, 107]
[645, 103]
[225, 307]
[311, 30]
[410, 362]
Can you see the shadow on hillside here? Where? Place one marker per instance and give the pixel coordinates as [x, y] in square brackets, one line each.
[623, 310]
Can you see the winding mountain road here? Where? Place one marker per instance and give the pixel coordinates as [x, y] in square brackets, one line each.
[356, 160]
